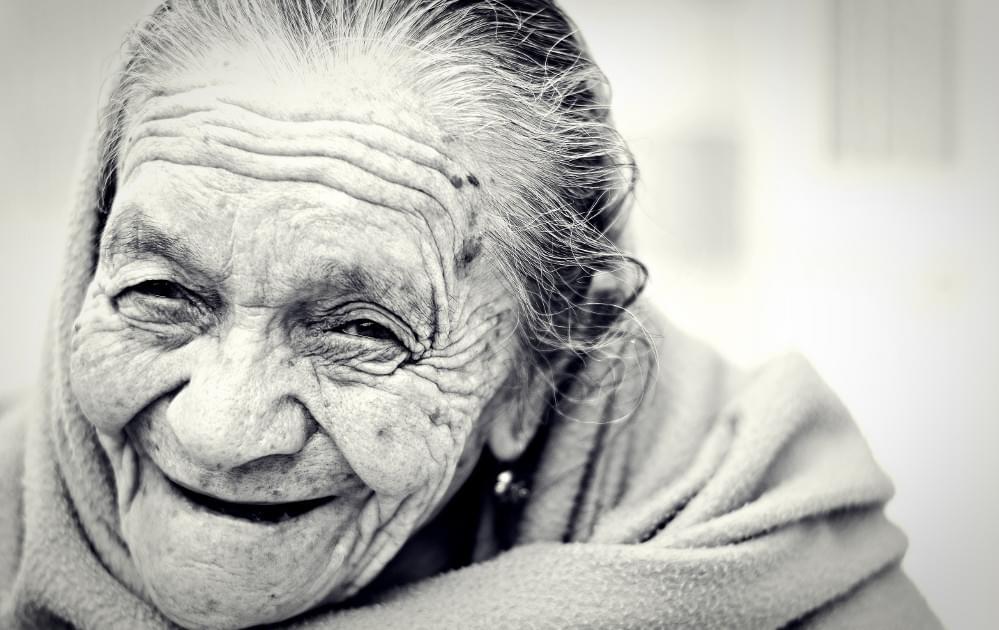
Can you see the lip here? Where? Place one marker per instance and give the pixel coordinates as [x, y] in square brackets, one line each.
[273, 513]
[242, 514]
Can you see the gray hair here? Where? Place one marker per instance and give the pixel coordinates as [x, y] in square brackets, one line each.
[513, 75]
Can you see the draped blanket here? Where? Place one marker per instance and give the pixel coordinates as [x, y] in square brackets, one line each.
[671, 490]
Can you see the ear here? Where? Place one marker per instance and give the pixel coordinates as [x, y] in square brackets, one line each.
[510, 434]
[602, 298]
[516, 422]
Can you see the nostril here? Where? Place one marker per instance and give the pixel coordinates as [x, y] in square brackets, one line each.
[296, 414]
[170, 395]
[311, 426]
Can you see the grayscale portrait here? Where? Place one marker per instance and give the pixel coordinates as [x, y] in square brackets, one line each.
[353, 330]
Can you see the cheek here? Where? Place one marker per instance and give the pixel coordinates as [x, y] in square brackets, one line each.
[399, 445]
[423, 427]
[114, 369]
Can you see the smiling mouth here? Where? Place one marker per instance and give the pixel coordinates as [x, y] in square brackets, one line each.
[255, 512]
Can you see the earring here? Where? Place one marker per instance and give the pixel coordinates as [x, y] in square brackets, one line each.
[508, 489]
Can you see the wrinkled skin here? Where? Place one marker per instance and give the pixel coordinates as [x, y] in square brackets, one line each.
[272, 323]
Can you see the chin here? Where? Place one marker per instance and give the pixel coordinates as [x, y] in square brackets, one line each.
[212, 564]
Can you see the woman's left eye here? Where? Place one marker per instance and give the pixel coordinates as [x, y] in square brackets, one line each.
[368, 328]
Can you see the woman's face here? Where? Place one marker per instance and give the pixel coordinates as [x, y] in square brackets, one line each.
[290, 348]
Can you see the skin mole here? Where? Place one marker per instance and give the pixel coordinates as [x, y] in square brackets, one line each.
[473, 180]
[457, 181]
[470, 250]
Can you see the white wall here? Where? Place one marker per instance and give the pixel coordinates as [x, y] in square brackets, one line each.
[54, 59]
[884, 274]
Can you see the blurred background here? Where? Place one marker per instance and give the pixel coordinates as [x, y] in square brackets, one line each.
[818, 175]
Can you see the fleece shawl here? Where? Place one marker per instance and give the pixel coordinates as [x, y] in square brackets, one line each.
[671, 491]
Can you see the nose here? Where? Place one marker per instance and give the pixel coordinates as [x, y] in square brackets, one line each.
[239, 407]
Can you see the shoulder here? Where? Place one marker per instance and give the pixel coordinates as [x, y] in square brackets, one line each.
[13, 414]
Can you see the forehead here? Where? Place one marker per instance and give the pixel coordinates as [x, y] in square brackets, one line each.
[376, 146]
[375, 150]
[226, 223]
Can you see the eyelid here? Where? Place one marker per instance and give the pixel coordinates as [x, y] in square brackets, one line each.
[353, 311]
[187, 295]
[131, 302]
[135, 273]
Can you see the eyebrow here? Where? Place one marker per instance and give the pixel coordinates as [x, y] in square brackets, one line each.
[137, 236]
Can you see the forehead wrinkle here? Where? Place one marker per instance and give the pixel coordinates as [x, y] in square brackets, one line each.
[385, 127]
[429, 184]
[422, 145]
[327, 117]
[292, 164]
[320, 151]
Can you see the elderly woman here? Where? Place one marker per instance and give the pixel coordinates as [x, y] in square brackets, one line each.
[344, 340]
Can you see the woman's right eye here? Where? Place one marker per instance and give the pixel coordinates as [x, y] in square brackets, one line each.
[160, 289]
[159, 301]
